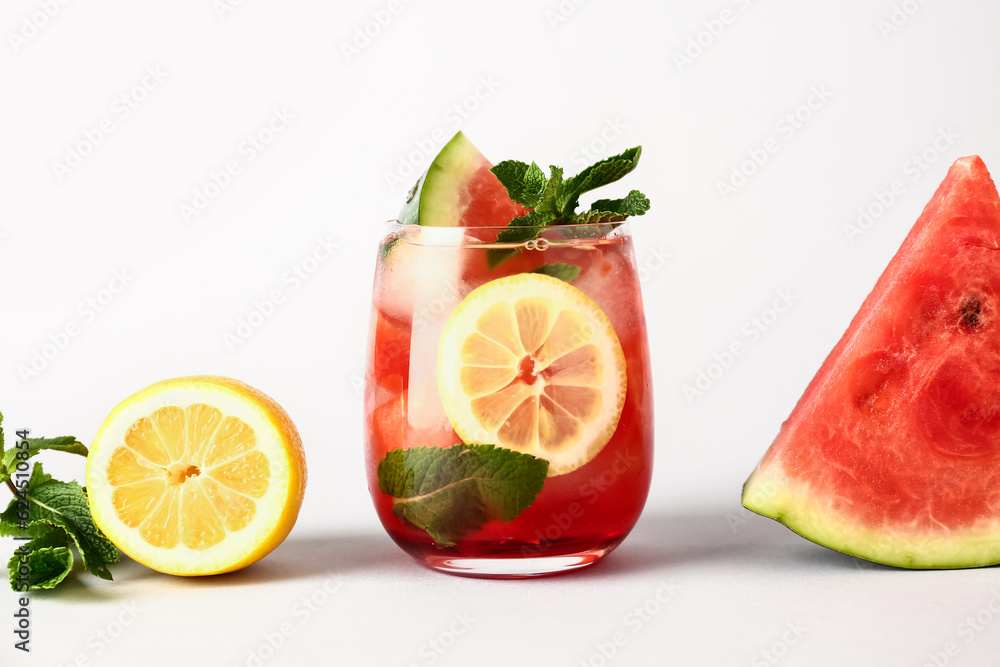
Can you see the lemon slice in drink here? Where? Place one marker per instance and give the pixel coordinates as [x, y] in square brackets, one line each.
[531, 363]
[196, 475]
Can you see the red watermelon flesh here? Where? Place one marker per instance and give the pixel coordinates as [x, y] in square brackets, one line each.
[459, 190]
[485, 201]
[893, 452]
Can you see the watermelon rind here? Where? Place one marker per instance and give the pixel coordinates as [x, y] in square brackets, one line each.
[817, 518]
[435, 199]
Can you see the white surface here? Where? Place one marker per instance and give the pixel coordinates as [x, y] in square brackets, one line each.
[547, 89]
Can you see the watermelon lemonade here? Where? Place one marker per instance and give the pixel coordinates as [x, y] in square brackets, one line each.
[508, 413]
[422, 276]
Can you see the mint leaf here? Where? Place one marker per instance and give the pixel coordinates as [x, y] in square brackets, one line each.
[11, 526]
[567, 272]
[64, 504]
[596, 175]
[47, 568]
[66, 443]
[552, 190]
[523, 228]
[593, 217]
[452, 492]
[525, 183]
[41, 563]
[634, 203]
[38, 476]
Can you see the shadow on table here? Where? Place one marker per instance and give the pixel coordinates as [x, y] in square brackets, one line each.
[735, 539]
[316, 556]
[296, 558]
[660, 542]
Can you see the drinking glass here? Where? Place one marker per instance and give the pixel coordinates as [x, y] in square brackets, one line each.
[578, 370]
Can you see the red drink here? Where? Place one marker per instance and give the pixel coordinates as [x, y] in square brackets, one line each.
[599, 470]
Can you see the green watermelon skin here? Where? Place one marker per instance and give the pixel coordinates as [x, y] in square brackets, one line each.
[893, 452]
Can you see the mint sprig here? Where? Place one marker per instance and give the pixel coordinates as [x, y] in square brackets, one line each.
[553, 200]
[452, 492]
[54, 514]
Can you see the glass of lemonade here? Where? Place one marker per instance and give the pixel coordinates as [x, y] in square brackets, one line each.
[535, 347]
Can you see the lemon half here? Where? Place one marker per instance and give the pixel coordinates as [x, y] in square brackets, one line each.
[196, 475]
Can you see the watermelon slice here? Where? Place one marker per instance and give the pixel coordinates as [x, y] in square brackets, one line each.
[893, 452]
[458, 190]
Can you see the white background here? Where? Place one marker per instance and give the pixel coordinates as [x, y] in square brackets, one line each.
[889, 82]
